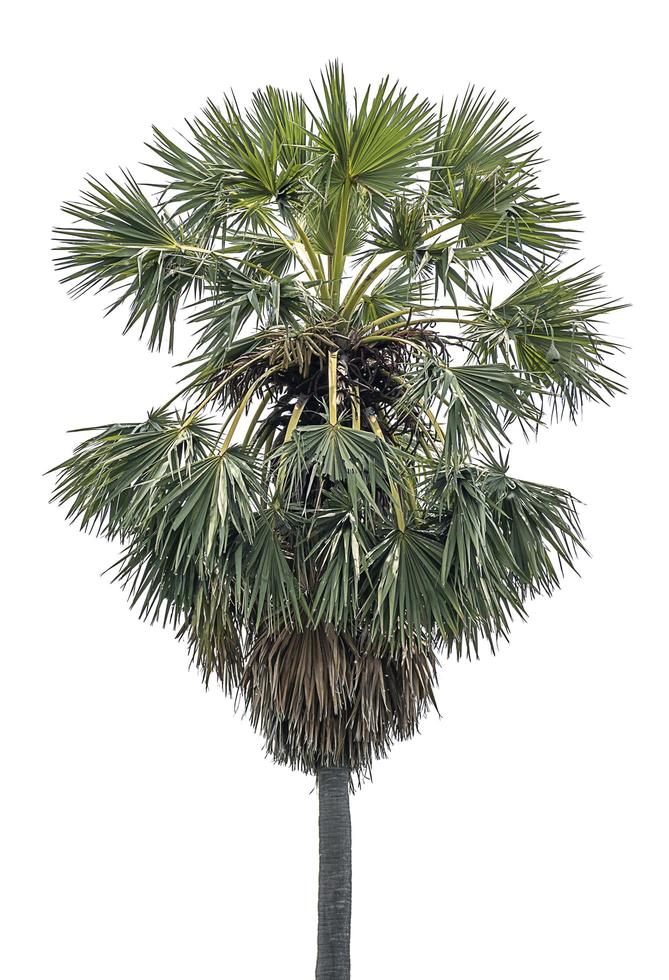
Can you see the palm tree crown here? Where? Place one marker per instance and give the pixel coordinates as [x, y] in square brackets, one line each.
[380, 298]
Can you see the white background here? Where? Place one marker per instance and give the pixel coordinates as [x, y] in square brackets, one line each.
[144, 834]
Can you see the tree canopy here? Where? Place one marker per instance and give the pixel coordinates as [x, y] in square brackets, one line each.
[380, 296]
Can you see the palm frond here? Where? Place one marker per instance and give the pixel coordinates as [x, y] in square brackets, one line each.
[541, 526]
[407, 600]
[268, 590]
[480, 134]
[479, 401]
[320, 455]
[122, 241]
[514, 227]
[379, 146]
[110, 482]
[548, 328]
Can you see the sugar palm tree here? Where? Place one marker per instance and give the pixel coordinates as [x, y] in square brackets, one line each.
[380, 299]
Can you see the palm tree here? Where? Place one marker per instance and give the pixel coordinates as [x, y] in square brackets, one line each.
[380, 299]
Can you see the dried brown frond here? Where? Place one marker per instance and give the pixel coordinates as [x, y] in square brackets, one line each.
[322, 700]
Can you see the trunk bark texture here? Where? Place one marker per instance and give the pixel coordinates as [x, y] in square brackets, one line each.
[334, 876]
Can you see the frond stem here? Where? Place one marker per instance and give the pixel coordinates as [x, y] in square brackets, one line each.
[394, 492]
[242, 406]
[359, 286]
[289, 243]
[340, 244]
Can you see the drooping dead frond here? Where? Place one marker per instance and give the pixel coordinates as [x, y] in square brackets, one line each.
[322, 699]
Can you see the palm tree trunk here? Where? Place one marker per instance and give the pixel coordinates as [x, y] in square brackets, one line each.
[334, 876]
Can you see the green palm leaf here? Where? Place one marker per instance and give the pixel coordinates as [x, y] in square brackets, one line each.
[480, 134]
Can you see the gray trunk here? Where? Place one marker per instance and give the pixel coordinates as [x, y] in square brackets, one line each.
[334, 876]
